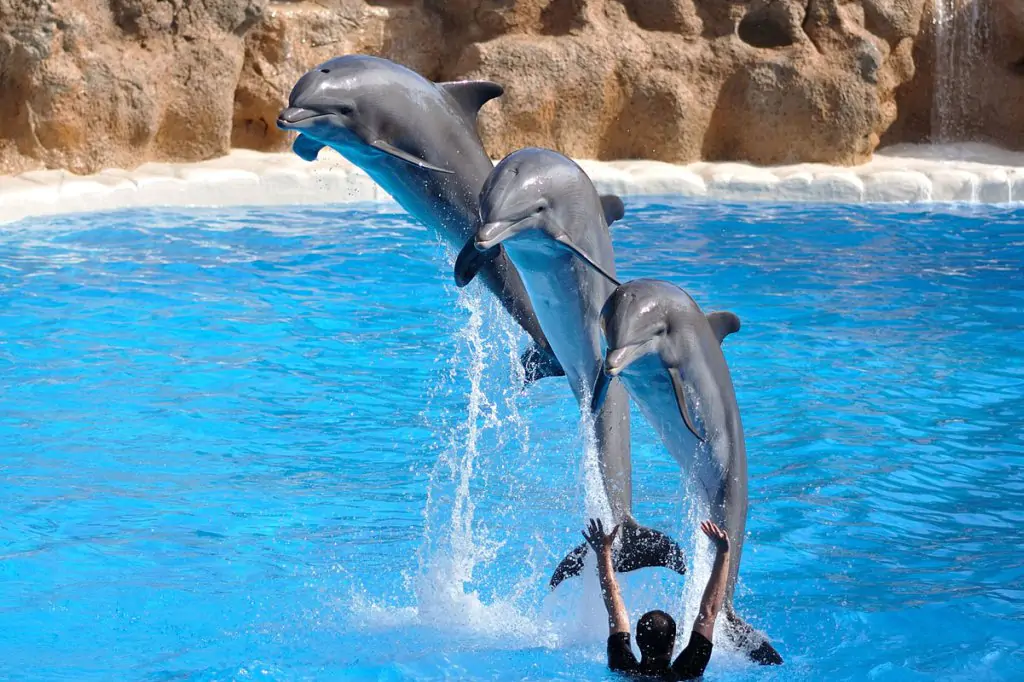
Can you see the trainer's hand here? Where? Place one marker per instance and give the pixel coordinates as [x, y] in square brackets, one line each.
[716, 535]
[597, 538]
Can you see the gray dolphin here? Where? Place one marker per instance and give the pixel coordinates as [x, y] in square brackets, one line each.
[544, 209]
[669, 356]
[418, 140]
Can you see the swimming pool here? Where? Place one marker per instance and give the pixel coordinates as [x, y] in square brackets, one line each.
[278, 444]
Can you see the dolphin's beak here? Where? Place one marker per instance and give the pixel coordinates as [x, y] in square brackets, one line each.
[495, 232]
[290, 118]
[619, 359]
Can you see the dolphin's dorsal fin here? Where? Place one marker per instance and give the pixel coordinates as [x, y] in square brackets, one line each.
[306, 147]
[471, 95]
[613, 208]
[724, 323]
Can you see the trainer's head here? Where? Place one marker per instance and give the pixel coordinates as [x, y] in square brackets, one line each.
[656, 635]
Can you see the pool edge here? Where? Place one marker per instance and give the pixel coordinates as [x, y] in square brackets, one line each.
[968, 173]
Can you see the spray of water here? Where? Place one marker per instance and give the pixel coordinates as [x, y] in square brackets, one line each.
[486, 452]
[461, 584]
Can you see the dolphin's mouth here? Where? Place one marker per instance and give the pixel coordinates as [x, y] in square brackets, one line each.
[290, 118]
[616, 361]
[619, 359]
[495, 232]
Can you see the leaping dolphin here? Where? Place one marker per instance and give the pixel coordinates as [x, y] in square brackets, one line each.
[544, 209]
[669, 356]
[418, 140]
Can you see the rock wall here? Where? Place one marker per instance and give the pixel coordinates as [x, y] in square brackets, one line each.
[91, 83]
[87, 84]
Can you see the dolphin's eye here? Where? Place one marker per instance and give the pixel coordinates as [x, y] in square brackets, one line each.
[345, 110]
[539, 209]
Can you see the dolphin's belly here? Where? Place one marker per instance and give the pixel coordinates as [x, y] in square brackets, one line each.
[567, 314]
[650, 387]
[706, 464]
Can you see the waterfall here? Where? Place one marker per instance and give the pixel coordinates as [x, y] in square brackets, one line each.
[961, 35]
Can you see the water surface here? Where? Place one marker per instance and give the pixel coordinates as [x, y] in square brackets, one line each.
[278, 444]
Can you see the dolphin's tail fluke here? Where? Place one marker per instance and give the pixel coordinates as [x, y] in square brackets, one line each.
[751, 641]
[539, 363]
[641, 547]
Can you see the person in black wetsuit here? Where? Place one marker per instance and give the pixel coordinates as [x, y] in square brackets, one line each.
[656, 631]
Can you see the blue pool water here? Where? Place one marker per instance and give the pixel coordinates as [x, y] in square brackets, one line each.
[278, 444]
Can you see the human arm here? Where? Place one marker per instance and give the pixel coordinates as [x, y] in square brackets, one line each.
[693, 660]
[714, 592]
[618, 619]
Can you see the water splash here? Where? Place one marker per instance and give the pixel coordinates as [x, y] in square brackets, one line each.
[961, 29]
[595, 496]
[480, 443]
[484, 451]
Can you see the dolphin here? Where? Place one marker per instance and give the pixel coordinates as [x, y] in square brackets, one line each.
[669, 356]
[418, 140]
[544, 209]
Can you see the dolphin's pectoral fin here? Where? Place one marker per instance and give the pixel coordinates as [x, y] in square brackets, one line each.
[641, 548]
[306, 148]
[539, 364]
[604, 381]
[569, 244]
[724, 323]
[684, 410]
[470, 261]
[751, 641]
[394, 151]
[471, 95]
[613, 207]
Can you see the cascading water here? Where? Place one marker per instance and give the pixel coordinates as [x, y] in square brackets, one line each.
[961, 30]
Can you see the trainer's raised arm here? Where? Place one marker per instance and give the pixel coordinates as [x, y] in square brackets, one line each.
[714, 593]
[601, 542]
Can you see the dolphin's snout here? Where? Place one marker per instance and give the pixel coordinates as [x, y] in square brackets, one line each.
[613, 364]
[292, 115]
[619, 358]
[493, 233]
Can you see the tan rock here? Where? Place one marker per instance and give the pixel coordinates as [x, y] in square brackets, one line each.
[787, 82]
[92, 83]
[86, 84]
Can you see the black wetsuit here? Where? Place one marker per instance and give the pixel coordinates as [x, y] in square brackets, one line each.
[688, 666]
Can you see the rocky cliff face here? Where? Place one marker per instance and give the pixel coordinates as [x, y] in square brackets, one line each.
[91, 83]
[86, 84]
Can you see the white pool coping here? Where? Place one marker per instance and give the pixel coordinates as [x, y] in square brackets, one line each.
[970, 173]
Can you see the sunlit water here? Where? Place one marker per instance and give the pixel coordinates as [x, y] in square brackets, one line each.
[278, 444]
